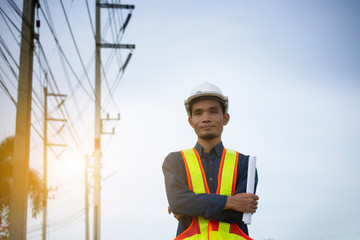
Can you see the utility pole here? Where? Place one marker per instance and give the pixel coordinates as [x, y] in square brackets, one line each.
[19, 189]
[44, 211]
[97, 151]
[46, 144]
[98, 120]
[86, 198]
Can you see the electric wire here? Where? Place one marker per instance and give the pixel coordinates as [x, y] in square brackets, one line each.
[73, 131]
[119, 33]
[76, 46]
[18, 11]
[61, 135]
[56, 225]
[113, 28]
[3, 55]
[90, 19]
[13, 100]
[8, 52]
[15, 75]
[7, 77]
[65, 58]
[6, 90]
[116, 37]
[111, 14]
[67, 77]
[3, 12]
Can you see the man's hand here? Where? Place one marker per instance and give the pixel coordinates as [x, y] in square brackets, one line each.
[242, 202]
[177, 216]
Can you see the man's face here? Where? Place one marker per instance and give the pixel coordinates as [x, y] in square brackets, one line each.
[208, 119]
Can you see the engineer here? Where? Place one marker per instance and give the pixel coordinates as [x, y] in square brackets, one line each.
[206, 185]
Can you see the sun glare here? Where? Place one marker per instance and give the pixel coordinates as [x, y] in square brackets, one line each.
[68, 166]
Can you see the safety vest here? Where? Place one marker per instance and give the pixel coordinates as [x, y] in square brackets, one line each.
[201, 228]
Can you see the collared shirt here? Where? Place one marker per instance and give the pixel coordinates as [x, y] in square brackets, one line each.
[211, 206]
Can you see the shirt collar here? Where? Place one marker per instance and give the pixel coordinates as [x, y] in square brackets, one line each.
[218, 149]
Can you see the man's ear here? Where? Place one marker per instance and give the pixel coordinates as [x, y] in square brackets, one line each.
[226, 119]
[190, 121]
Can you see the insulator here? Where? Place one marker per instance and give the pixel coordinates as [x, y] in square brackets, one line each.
[61, 103]
[126, 22]
[61, 128]
[126, 62]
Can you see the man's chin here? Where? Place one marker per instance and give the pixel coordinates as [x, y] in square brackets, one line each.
[208, 136]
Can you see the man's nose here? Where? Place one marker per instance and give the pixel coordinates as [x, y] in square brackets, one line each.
[206, 117]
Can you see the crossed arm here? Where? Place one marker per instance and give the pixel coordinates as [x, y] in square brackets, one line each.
[183, 201]
[241, 202]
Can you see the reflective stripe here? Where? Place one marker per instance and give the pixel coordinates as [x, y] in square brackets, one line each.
[226, 181]
[201, 228]
[227, 169]
[195, 168]
[203, 225]
[217, 235]
[224, 227]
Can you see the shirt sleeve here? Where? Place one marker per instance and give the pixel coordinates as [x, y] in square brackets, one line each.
[232, 216]
[184, 201]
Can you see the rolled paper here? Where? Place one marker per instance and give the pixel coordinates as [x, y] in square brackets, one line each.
[250, 185]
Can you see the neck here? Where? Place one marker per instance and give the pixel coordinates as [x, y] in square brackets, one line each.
[208, 144]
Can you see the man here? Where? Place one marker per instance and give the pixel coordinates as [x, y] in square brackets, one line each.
[206, 185]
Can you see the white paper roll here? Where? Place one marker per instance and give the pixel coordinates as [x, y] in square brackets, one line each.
[250, 185]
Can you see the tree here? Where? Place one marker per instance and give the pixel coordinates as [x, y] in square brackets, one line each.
[35, 188]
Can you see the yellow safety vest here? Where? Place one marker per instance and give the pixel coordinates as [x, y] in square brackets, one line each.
[201, 228]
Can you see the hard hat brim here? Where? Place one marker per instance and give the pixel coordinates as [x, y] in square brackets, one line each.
[193, 99]
[206, 95]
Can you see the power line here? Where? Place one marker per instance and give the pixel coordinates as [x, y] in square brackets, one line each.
[3, 55]
[76, 46]
[65, 58]
[7, 92]
[115, 21]
[91, 22]
[72, 90]
[67, 115]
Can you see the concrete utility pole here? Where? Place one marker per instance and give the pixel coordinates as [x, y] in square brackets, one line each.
[46, 144]
[44, 220]
[86, 198]
[19, 189]
[97, 151]
[98, 120]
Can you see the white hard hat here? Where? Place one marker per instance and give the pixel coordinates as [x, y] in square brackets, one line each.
[206, 90]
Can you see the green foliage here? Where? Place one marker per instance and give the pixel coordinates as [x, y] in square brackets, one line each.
[35, 188]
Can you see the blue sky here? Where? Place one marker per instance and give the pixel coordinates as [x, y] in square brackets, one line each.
[291, 72]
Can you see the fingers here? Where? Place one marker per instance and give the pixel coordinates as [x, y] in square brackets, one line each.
[254, 204]
[250, 202]
[253, 208]
[177, 216]
[250, 195]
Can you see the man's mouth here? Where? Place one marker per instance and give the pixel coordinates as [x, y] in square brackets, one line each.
[207, 127]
